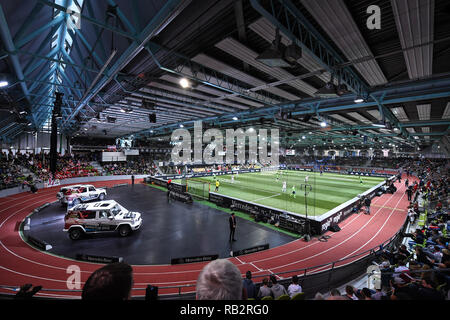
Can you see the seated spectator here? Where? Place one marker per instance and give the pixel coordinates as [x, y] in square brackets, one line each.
[424, 290]
[219, 280]
[294, 287]
[366, 294]
[111, 282]
[401, 268]
[421, 256]
[350, 293]
[264, 290]
[277, 289]
[249, 286]
[335, 292]
[445, 255]
[386, 274]
[380, 294]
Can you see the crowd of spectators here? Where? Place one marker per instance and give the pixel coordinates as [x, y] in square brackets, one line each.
[11, 174]
[131, 167]
[417, 271]
[347, 161]
[19, 168]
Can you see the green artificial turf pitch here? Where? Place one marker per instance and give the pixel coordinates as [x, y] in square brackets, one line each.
[327, 191]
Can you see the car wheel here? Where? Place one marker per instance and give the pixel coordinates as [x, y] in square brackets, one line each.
[75, 233]
[101, 196]
[124, 230]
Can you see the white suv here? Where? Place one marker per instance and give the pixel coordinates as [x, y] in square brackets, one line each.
[80, 193]
[102, 216]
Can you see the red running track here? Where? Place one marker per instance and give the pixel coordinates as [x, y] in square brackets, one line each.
[20, 263]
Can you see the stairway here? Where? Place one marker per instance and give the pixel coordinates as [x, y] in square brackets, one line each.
[158, 168]
[97, 166]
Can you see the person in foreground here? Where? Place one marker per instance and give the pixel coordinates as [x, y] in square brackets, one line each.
[111, 282]
[219, 280]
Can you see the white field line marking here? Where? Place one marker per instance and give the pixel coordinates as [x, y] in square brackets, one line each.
[339, 244]
[259, 269]
[66, 259]
[299, 249]
[379, 230]
[140, 274]
[263, 198]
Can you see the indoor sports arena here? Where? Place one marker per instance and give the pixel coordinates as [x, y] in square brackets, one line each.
[240, 150]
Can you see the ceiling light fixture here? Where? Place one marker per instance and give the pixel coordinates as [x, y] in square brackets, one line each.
[3, 84]
[184, 83]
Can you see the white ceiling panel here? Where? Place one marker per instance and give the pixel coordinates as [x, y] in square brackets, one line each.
[334, 17]
[424, 111]
[400, 114]
[241, 76]
[415, 26]
[375, 113]
[359, 117]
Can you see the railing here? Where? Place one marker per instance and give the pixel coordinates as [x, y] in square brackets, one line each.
[319, 278]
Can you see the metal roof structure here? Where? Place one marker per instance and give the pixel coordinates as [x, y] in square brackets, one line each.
[118, 62]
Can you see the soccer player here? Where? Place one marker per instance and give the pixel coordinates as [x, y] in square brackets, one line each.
[306, 179]
[360, 180]
[278, 176]
[217, 186]
[232, 178]
[284, 187]
[293, 192]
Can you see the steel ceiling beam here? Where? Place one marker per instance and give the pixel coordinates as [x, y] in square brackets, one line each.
[200, 74]
[293, 24]
[164, 16]
[11, 49]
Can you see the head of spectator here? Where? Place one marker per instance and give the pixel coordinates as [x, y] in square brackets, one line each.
[273, 279]
[366, 294]
[335, 292]
[350, 292]
[111, 282]
[219, 280]
[249, 286]
[319, 296]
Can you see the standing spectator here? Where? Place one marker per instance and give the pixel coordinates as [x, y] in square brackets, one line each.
[219, 280]
[294, 287]
[264, 290]
[249, 286]
[277, 289]
[232, 222]
[409, 193]
[111, 282]
[367, 202]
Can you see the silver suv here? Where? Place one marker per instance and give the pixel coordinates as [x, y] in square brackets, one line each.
[76, 194]
[102, 216]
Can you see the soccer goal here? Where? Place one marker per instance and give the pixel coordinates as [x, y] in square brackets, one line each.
[197, 188]
[269, 170]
